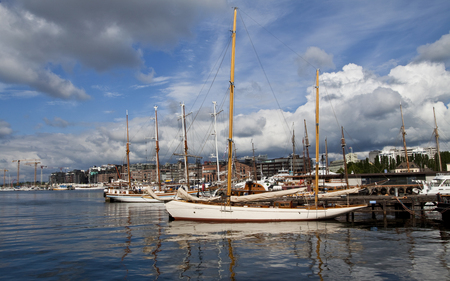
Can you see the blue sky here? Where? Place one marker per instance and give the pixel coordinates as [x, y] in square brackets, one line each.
[69, 70]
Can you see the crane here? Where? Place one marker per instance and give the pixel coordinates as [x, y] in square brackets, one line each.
[18, 166]
[35, 163]
[4, 172]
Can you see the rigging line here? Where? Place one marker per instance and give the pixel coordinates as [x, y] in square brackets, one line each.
[265, 75]
[329, 100]
[280, 41]
[139, 130]
[212, 82]
[208, 133]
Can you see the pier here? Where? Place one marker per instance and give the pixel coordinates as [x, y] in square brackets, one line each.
[402, 207]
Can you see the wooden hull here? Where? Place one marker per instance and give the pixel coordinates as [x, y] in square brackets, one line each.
[182, 210]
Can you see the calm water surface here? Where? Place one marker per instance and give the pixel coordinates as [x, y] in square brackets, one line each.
[75, 235]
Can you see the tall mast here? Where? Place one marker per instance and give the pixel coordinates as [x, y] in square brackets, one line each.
[326, 157]
[316, 183]
[343, 154]
[293, 150]
[230, 129]
[157, 148]
[128, 156]
[215, 137]
[404, 139]
[437, 141]
[254, 163]
[304, 157]
[183, 124]
[308, 169]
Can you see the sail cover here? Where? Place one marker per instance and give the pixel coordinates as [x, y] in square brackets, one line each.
[266, 195]
[339, 192]
[181, 193]
[151, 193]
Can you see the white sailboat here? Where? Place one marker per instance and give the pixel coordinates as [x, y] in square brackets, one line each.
[127, 195]
[250, 208]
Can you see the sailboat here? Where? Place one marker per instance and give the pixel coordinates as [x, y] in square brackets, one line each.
[115, 193]
[258, 207]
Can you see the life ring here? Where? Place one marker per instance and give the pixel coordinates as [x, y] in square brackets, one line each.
[409, 190]
[392, 191]
[383, 191]
[374, 191]
[401, 190]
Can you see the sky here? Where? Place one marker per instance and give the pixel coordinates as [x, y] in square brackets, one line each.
[71, 70]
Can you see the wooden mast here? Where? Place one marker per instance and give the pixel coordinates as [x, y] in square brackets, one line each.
[230, 129]
[215, 137]
[404, 139]
[293, 150]
[326, 157]
[437, 141]
[128, 156]
[186, 165]
[343, 155]
[254, 163]
[308, 169]
[157, 148]
[316, 182]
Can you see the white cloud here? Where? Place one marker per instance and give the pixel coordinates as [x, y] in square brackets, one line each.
[5, 129]
[146, 78]
[112, 95]
[438, 51]
[316, 58]
[89, 33]
[56, 122]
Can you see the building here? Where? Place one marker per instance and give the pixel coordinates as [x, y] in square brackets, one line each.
[403, 168]
[373, 154]
[392, 153]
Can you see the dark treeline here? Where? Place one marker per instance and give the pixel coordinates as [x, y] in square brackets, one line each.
[380, 165]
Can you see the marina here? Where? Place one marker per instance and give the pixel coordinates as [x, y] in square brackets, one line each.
[188, 212]
[75, 235]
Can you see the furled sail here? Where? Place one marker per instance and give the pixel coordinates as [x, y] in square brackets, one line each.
[266, 195]
[181, 193]
[339, 192]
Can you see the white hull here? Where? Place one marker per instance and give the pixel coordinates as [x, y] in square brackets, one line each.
[181, 210]
[132, 199]
[440, 184]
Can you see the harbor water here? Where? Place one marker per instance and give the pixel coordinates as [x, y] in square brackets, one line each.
[75, 235]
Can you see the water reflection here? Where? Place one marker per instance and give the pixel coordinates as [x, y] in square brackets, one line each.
[76, 235]
[248, 246]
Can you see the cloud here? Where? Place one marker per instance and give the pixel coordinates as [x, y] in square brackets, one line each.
[146, 78]
[112, 95]
[438, 51]
[5, 129]
[314, 57]
[39, 38]
[56, 122]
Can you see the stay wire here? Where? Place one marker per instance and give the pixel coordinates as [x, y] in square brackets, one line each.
[279, 40]
[264, 72]
[215, 76]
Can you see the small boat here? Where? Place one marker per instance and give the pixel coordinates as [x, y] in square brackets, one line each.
[63, 187]
[440, 184]
[263, 207]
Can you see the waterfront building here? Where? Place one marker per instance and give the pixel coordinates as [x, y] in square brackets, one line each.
[403, 168]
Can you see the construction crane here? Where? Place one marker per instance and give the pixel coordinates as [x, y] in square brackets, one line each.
[18, 166]
[35, 163]
[4, 172]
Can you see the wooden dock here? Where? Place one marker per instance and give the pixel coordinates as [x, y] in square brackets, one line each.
[402, 207]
